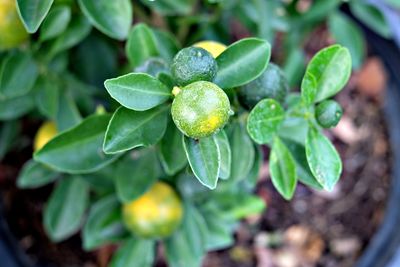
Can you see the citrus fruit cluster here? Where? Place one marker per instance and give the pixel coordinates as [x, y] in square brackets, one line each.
[200, 107]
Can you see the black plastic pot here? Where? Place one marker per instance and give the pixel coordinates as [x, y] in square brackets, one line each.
[384, 248]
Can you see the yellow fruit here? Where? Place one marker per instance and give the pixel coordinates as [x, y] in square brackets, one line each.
[214, 48]
[156, 214]
[45, 133]
[12, 31]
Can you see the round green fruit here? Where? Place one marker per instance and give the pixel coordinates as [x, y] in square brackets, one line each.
[328, 113]
[193, 64]
[200, 109]
[271, 84]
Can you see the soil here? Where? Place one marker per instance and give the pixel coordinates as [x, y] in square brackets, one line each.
[328, 229]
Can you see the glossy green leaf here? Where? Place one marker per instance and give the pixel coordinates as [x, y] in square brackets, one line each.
[242, 152]
[135, 253]
[371, 16]
[242, 62]
[186, 247]
[294, 66]
[78, 150]
[323, 159]
[33, 12]
[264, 120]
[204, 158]
[34, 174]
[9, 132]
[171, 151]
[68, 114]
[226, 154]
[129, 129]
[77, 30]
[252, 178]
[102, 182]
[166, 44]
[65, 208]
[282, 168]
[304, 174]
[326, 74]
[141, 45]
[136, 174]
[55, 23]
[137, 91]
[170, 7]
[348, 34]
[104, 224]
[16, 107]
[14, 67]
[47, 97]
[113, 18]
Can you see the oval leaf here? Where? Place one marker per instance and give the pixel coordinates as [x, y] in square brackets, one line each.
[136, 174]
[33, 12]
[16, 107]
[129, 129]
[264, 120]
[226, 154]
[47, 97]
[283, 169]
[141, 45]
[104, 224]
[171, 151]
[137, 91]
[326, 74]
[34, 175]
[13, 68]
[113, 18]
[204, 159]
[78, 150]
[65, 209]
[135, 253]
[242, 62]
[323, 159]
[55, 23]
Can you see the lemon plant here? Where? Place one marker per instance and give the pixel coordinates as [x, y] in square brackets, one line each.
[161, 144]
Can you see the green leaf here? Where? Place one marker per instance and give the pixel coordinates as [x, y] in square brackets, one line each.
[137, 91]
[129, 129]
[226, 154]
[47, 97]
[104, 224]
[204, 158]
[141, 45]
[294, 66]
[170, 7]
[14, 67]
[323, 159]
[252, 178]
[326, 74]
[33, 12]
[186, 247]
[171, 151]
[34, 175]
[65, 208]
[304, 174]
[282, 169]
[68, 114]
[77, 30]
[135, 253]
[78, 150]
[242, 62]
[16, 107]
[136, 174]
[55, 23]
[9, 132]
[242, 152]
[166, 44]
[372, 17]
[113, 18]
[264, 120]
[348, 34]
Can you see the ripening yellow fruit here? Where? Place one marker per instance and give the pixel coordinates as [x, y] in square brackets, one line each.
[214, 48]
[12, 31]
[45, 133]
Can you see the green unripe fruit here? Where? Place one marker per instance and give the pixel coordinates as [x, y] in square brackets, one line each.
[200, 109]
[271, 84]
[328, 113]
[193, 64]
